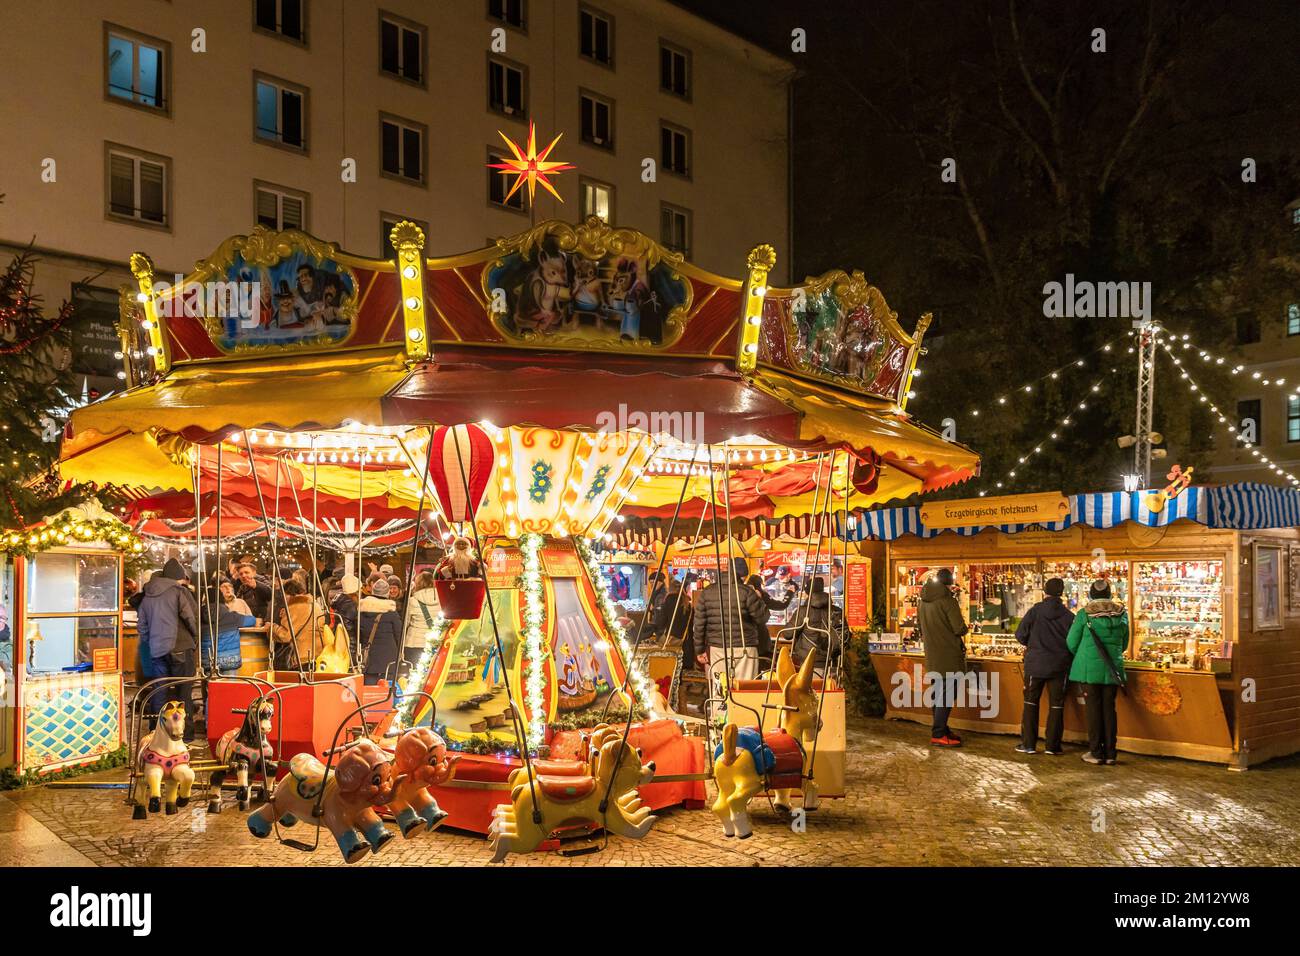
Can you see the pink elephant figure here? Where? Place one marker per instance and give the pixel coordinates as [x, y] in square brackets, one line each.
[421, 757]
[362, 780]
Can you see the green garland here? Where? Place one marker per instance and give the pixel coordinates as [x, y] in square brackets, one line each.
[70, 531]
[11, 779]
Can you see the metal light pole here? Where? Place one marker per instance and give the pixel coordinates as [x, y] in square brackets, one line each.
[1148, 333]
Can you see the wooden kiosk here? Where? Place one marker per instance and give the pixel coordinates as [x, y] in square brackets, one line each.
[60, 639]
[1212, 583]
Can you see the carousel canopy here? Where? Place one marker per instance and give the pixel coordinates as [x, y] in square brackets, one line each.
[584, 329]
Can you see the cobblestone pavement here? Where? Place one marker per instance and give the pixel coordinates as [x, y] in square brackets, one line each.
[908, 805]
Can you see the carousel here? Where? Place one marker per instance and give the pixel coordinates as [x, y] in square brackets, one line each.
[512, 410]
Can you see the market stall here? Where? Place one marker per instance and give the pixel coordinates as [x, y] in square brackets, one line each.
[60, 639]
[1209, 581]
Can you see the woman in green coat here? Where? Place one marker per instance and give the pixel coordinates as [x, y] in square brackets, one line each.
[1100, 672]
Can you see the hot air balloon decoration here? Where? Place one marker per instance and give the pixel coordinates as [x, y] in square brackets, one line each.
[461, 458]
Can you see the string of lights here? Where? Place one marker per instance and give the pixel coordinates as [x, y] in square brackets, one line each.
[1199, 394]
[1185, 343]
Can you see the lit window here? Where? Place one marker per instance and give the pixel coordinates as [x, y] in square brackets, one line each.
[596, 36]
[137, 70]
[278, 208]
[1293, 318]
[1293, 419]
[597, 121]
[137, 186]
[401, 49]
[596, 199]
[402, 149]
[281, 113]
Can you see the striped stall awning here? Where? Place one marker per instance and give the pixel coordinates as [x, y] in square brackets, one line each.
[1099, 510]
[1249, 506]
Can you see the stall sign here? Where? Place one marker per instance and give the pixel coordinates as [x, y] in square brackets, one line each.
[1011, 509]
[1038, 539]
[560, 560]
[104, 659]
[504, 566]
[689, 561]
[857, 594]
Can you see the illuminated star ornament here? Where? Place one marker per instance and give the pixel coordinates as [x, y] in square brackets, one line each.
[531, 167]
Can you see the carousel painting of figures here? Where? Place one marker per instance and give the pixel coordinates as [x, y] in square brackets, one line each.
[552, 294]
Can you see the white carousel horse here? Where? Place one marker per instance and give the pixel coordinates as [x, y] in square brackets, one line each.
[164, 758]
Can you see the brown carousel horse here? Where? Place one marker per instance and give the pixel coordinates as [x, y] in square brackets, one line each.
[246, 750]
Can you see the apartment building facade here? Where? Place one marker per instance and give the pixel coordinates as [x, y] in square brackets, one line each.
[165, 127]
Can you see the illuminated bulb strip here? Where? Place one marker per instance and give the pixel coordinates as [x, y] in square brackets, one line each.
[534, 611]
[1029, 387]
[1209, 358]
[407, 240]
[420, 671]
[1197, 393]
[641, 686]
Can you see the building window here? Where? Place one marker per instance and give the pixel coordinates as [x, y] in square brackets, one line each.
[1247, 328]
[506, 88]
[137, 68]
[595, 199]
[675, 229]
[401, 146]
[1293, 318]
[1295, 216]
[596, 36]
[1248, 421]
[137, 186]
[597, 120]
[386, 223]
[509, 12]
[278, 208]
[281, 113]
[499, 183]
[1292, 418]
[675, 149]
[401, 48]
[674, 71]
[286, 18]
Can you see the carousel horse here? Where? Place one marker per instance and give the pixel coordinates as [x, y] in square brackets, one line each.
[420, 756]
[346, 797]
[247, 750]
[569, 793]
[747, 762]
[164, 756]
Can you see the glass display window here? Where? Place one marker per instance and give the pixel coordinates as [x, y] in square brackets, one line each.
[1178, 613]
[907, 594]
[1079, 573]
[998, 595]
[73, 610]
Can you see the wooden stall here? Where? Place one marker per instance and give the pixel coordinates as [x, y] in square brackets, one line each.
[1214, 659]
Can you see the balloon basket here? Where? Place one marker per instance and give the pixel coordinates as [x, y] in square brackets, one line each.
[460, 600]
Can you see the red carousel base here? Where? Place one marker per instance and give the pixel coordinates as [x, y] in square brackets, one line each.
[307, 714]
[479, 785]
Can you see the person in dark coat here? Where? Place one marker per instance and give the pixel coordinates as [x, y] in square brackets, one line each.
[669, 608]
[820, 626]
[381, 634]
[729, 615]
[1043, 631]
[254, 590]
[938, 617]
[346, 612]
[168, 625]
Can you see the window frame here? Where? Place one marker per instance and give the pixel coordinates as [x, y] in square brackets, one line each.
[685, 54]
[521, 27]
[266, 31]
[599, 14]
[403, 123]
[1237, 328]
[609, 104]
[1292, 416]
[689, 175]
[1259, 422]
[137, 154]
[404, 23]
[522, 68]
[689, 217]
[386, 222]
[135, 37]
[282, 85]
[583, 182]
[495, 155]
[283, 192]
[1291, 313]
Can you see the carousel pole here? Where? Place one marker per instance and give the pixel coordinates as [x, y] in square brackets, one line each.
[415, 551]
[275, 553]
[203, 573]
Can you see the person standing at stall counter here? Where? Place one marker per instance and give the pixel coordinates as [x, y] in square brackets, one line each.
[1097, 639]
[1043, 631]
[938, 617]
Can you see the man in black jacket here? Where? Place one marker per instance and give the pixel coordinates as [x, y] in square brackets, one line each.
[168, 625]
[728, 618]
[1047, 664]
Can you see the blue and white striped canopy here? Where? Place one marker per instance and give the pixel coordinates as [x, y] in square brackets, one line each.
[1244, 506]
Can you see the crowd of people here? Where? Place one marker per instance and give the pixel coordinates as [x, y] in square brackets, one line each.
[1061, 647]
[182, 632]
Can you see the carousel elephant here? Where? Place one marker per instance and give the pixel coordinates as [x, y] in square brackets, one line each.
[346, 797]
[420, 757]
[164, 757]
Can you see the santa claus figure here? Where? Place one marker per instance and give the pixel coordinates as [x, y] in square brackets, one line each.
[460, 561]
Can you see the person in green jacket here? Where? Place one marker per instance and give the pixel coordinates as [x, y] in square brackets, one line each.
[1100, 672]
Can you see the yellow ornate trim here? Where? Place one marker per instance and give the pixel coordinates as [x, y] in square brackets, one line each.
[408, 240]
[593, 239]
[760, 261]
[142, 269]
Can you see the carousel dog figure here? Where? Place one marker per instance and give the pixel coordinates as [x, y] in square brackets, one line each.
[164, 757]
[247, 751]
[569, 793]
[421, 757]
[747, 762]
[347, 796]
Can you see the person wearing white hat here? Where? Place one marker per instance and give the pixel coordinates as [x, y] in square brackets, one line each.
[346, 610]
[380, 634]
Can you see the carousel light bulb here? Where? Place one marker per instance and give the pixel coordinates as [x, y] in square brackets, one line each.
[409, 272]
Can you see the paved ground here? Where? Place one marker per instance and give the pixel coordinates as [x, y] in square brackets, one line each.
[908, 805]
